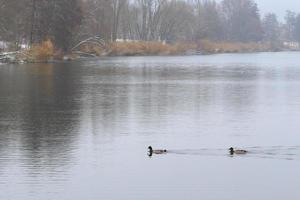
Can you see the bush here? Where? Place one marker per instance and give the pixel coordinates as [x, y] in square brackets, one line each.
[42, 52]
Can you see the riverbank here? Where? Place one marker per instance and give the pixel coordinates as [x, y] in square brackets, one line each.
[46, 52]
[203, 47]
[209, 47]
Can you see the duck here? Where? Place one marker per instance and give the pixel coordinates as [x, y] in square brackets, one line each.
[237, 151]
[156, 151]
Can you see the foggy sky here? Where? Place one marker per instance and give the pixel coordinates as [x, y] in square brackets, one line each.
[278, 6]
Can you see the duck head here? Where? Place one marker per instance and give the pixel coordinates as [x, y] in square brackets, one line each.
[231, 150]
[150, 151]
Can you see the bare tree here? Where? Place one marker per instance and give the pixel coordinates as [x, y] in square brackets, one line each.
[56, 20]
[181, 27]
[148, 15]
[118, 6]
[63, 21]
[98, 19]
[208, 20]
[14, 24]
[241, 20]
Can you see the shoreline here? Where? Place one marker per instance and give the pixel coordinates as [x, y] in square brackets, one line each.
[46, 52]
[72, 57]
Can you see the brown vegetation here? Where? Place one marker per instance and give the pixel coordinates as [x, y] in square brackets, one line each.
[93, 49]
[41, 52]
[147, 48]
[46, 51]
[134, 48]
[207, 46]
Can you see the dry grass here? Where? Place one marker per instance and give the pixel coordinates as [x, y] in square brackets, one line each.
[42, 52]
[147, 48]
[229, 47]
[45, 51]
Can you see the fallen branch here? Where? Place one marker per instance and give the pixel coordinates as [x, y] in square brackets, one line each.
[92, 40]
[9, 53]
[84, 54]
[15, 56]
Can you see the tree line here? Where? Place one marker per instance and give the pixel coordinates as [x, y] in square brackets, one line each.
[66, 22]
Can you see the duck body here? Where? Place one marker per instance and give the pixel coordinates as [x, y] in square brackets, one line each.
[156, 151]
[237, 151]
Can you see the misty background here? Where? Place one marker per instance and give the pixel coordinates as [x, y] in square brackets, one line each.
[266, 25]
[278, 7]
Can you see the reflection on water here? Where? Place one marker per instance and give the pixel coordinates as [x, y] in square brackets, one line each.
[275, 152]
[37, 120]
[80, 130]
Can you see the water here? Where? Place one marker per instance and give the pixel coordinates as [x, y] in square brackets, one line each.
[80, 130]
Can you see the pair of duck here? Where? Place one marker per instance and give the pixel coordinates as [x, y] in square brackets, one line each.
[232, 151]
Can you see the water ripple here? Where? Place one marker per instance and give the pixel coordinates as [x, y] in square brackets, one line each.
[272, 152]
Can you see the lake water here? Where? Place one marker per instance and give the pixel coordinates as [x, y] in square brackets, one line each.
[73, 131]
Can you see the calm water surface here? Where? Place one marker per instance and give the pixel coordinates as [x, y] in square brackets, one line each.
[81, 130]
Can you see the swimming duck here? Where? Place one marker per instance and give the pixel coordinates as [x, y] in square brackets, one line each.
[156, 151]
[237, 151]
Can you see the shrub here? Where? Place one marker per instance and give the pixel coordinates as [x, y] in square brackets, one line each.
[42, 52]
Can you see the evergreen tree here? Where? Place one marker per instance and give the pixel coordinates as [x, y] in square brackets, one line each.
[290, 22]
[271, 28]
[297, 28]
